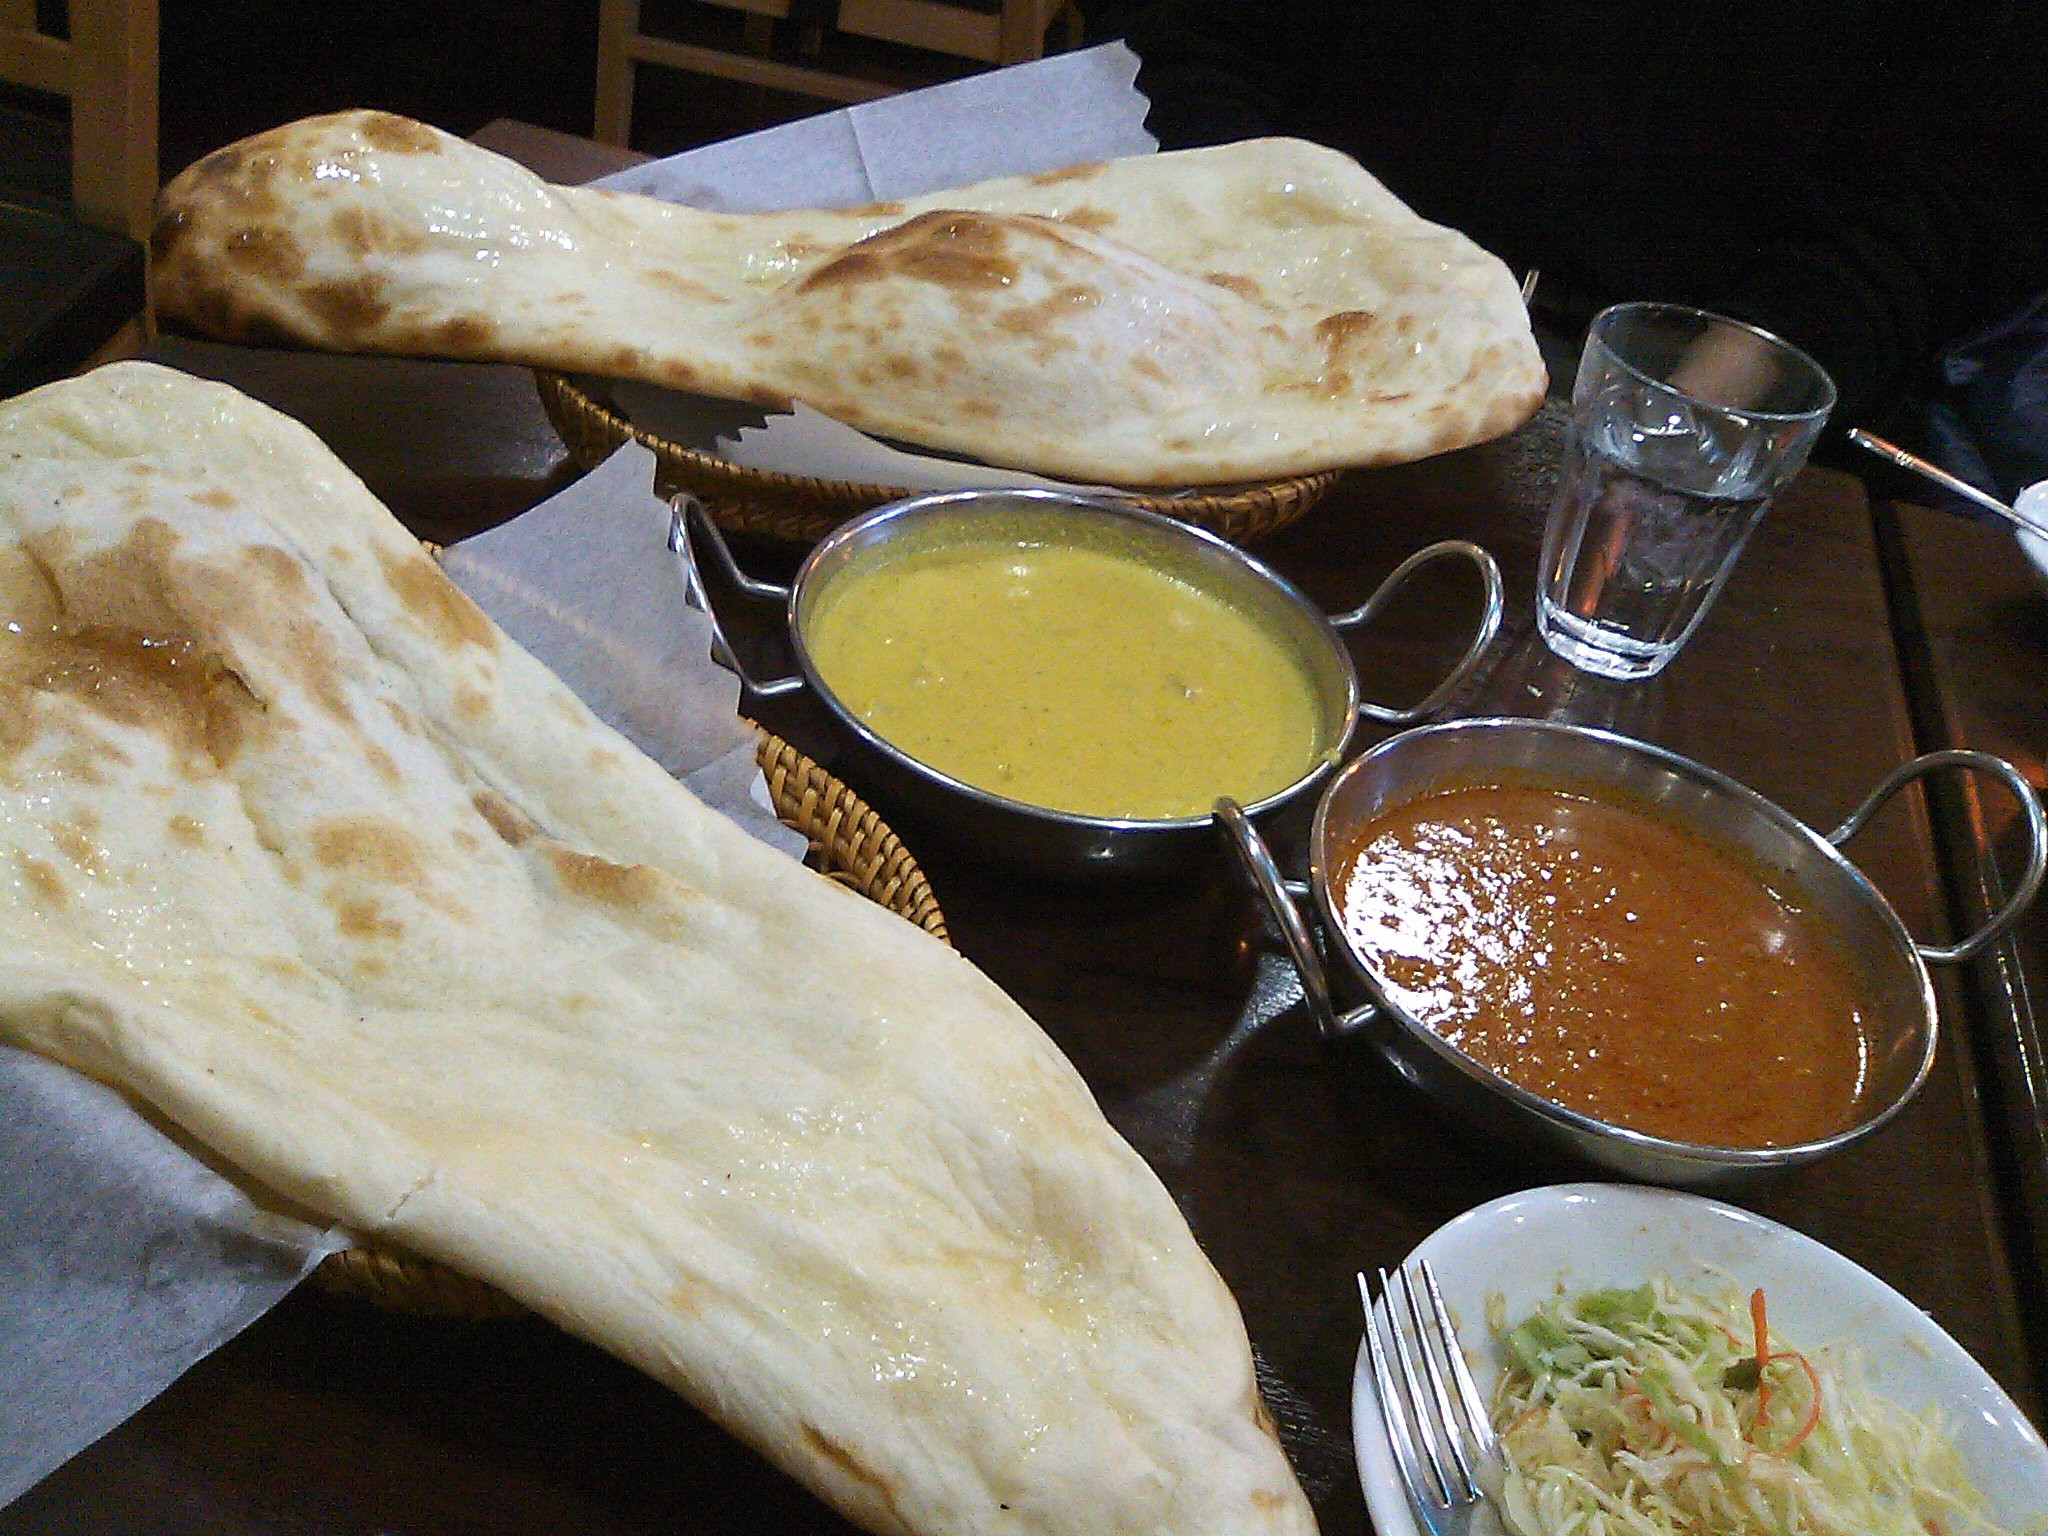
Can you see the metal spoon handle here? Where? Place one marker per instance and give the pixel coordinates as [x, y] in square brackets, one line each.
[1941, 477]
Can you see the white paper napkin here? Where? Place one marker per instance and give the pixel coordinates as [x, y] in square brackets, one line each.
[124, 1260]
[587, 583]
[1042, 116]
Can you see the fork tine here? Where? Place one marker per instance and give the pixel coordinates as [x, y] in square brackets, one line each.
[1471, 1405]
[1393, 1411]
[1423, 1427]
[1451, 1441]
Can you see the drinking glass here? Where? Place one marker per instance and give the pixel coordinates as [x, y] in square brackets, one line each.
[1684, 426]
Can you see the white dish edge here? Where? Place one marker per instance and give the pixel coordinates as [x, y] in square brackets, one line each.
[1577, 1236]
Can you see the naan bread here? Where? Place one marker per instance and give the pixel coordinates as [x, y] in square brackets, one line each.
[297, 847]
[1214, 315]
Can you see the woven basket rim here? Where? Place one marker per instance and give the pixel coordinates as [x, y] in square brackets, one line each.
[1239, 513]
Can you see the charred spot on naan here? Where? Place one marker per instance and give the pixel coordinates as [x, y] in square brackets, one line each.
[384, 765]
[120, 588]
[440, 607]
[237, 176]
[203, 306]
[167, 233]
[168, 688]
[958, 250]
[357, 235]
[350, 310]
[131, 632]
[1340, 332]
[662, 277]
[603, 880]
[462, 335]
[634, 894]
[511, 824]
[1094, 220]
[43, 879]
[77, 838]
[276, 567]
[853, 1468]
[377, 867]
[1086, 171]
[676, 374]
[224, 206]
[1246, 288]
[373, 848]
[360, 917]
[396, 135]
[224, 169]
[1052, 313]
[273, 255]
[28, 595]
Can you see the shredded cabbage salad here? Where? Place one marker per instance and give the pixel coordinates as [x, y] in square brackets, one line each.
[1654, 1412]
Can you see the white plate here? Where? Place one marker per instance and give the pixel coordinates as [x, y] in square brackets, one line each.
[2033, 503]
[1584, 1235]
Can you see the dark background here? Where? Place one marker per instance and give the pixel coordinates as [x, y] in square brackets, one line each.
[228, 71]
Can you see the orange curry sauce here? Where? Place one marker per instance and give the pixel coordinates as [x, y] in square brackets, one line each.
[1606, 959]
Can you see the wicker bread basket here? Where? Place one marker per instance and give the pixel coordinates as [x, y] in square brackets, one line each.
[849, 844]
[799, 509]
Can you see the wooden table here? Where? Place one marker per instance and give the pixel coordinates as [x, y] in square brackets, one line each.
[1296, 1163]
[1974, 641]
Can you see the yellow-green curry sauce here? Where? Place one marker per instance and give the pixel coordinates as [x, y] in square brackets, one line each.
[1076, 676]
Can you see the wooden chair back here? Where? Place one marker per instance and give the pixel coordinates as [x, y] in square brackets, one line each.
[108, 69]
[1012, 35]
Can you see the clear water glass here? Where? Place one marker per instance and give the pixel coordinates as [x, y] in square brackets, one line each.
[1684, 426]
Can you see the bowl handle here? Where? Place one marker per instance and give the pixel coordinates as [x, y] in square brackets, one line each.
[1489, 623]
[1256, 859]
[2037, 841]
[687, 520]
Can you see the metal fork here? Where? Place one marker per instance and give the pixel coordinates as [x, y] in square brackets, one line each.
[1437, 1425]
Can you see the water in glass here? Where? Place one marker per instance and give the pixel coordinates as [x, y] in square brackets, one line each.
[1638, 546]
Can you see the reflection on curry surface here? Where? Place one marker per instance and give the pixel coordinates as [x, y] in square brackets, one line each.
[1071, 677]
[1606, 959]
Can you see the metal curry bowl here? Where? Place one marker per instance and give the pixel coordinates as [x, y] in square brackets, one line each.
[1061, 842]
[1890, 966]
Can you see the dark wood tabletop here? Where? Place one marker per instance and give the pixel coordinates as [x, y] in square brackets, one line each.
[1973, 638]
[1296, 1162]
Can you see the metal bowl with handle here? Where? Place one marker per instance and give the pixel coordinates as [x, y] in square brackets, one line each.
[1062, 842]
[1901, 1021]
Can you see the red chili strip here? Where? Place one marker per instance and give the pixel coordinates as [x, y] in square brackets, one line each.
[1763, 1353]
[1812, 1407]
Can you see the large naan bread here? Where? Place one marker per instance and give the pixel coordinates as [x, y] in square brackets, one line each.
[297, 847]
[1253, 310]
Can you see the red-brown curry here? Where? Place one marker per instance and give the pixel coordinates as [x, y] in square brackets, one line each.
[1609, 960]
